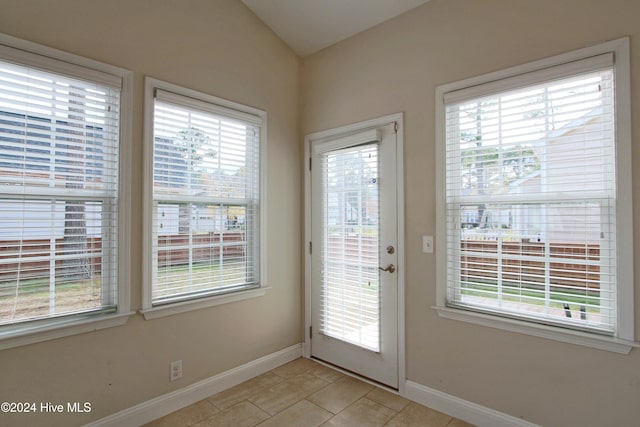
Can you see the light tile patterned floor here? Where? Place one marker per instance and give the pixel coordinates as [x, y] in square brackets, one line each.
[306, 394]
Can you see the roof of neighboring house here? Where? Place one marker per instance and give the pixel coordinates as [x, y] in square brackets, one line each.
[575, 123]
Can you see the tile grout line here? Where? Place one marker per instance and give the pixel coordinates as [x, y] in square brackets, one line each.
[279, 379]
[286, 379]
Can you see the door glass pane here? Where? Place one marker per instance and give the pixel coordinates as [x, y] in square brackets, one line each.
[350, 296]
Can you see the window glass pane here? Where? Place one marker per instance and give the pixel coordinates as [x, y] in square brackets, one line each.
[58, 191]
[57, 132]
[560, 134]
[52, 264]
[530, 202]
[349, 252]
[204, 154]
[507, 263]
[201, 248]
[206, 203]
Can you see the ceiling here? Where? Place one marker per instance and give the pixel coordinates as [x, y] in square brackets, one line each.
[310, 25]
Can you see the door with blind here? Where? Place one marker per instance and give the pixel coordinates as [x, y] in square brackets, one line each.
[354, 253]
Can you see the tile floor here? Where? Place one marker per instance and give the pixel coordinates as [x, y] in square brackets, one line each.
[306, 394]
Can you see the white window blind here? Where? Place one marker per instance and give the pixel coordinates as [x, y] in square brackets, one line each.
[531, 197]
[350, 292]
[59, 136]
[206, 204]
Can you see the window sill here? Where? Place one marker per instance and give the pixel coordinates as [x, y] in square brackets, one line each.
[197, 304]
[615, 345]
[59, 328]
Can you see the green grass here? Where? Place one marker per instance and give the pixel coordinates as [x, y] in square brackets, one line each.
[39, 286]
[204, 276]
[514, 293]
[31, 298]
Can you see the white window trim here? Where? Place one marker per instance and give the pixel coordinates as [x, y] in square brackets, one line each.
[624, 339]
[29, 333]
[148, 310]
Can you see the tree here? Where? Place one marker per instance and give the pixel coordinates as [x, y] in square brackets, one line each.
[195, 148]
[75, 221]
[511, 163]
[492, 166]
[351, 175]
[474, 157]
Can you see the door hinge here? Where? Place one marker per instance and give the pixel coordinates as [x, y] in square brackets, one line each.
[395, 127]
[310, 247]
[310, 332]
[309, 163]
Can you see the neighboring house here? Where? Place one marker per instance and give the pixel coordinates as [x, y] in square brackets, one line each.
[560, 170]
[27, 156]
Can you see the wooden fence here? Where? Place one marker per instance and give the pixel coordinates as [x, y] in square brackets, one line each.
[30, 259]
[569, 264]
[173, 249]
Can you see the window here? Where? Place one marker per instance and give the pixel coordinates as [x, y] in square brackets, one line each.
[60, 133]
[204, 185]
[534, 195]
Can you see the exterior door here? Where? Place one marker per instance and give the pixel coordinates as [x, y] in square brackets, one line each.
[354, 255]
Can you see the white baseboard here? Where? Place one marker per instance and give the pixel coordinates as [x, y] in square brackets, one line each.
[460, 408]
[170, 402]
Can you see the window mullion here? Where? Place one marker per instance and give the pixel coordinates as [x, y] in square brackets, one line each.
[499, 267]
[52, 261]
[191, 249]
[223, 216]
[547, 274]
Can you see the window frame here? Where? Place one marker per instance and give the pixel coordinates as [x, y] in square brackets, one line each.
[149, 310]
[64, 63]
[623, 339]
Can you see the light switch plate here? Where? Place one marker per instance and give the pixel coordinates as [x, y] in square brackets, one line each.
[427, 244]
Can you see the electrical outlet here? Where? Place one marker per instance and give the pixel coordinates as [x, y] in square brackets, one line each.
[427, 244]
[175, 370]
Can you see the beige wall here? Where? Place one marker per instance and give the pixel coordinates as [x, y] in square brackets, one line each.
[396, 67]
[218, 47]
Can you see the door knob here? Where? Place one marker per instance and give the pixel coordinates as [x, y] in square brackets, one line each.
[390, 268]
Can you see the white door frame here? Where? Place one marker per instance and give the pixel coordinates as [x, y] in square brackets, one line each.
[380, 121]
